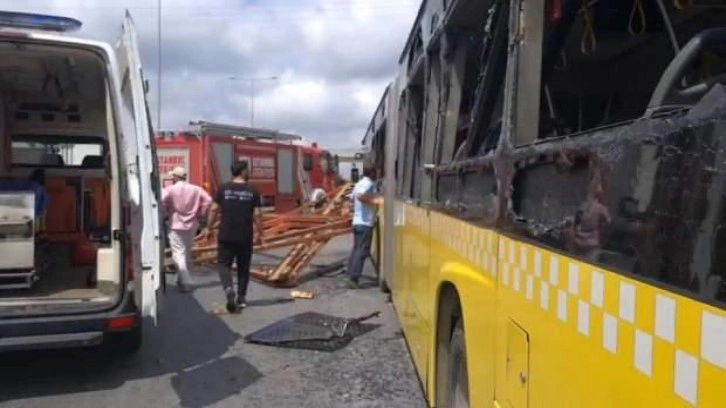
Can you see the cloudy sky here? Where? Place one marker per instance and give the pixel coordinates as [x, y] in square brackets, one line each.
[332, 58]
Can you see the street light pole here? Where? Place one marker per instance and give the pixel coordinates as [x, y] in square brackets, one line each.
[252, 93]
[158, 93]
[252, 103]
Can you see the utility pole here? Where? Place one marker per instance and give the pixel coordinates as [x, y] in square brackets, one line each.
[158, 92]
[252, 103]
[252, 92]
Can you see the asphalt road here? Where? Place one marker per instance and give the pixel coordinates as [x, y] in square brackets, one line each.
[198, 358]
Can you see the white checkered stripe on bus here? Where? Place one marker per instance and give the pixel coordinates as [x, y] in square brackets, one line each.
[474, 244]
[623, 316]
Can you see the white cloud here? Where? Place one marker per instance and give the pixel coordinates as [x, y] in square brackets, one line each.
[334, 57]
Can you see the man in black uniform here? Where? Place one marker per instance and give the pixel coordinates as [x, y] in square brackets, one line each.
[239, 204]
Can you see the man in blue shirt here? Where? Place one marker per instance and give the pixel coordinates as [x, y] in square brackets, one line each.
[364, 217]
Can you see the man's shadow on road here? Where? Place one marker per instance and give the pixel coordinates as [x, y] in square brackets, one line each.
[189, 343]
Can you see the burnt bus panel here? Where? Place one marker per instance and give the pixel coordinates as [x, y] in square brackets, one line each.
[479, 195]
[645, 199]
[447, 191]
[545, 194]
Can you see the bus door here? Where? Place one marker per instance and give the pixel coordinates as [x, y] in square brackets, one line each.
[416, 253]
[417, 243]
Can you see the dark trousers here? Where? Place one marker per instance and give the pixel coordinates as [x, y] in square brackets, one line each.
[227, 254]
[362, 236]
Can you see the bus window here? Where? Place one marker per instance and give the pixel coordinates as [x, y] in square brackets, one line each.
[611, 196]
[414, 136]
[488, 101]
[600, 64]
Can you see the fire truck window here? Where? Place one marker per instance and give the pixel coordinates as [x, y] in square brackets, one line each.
[308, 162]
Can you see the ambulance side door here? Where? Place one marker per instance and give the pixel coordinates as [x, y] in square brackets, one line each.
[143, 180]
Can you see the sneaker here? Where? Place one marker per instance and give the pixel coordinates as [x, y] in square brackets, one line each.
[183, 288]
[241, 303]
[231, 304]
[351, 283]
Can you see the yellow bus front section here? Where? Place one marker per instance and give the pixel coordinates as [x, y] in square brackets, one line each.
[546, 330]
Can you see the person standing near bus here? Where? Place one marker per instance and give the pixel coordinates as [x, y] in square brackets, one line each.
[240, 208]
[184, 204]
[365, 203]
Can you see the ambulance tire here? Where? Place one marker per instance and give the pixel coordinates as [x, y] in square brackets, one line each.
[458, 386]
[125, 344]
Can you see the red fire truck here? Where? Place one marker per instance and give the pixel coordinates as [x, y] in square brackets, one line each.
[284, 168]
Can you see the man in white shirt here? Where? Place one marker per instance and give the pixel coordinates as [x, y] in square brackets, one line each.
[364, 218]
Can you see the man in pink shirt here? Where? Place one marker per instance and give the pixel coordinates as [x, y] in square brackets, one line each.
[184, 204]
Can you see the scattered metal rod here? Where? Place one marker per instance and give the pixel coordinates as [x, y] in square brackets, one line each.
[305, 232]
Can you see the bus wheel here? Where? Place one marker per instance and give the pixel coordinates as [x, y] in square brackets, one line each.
[382, 285]
[458, 387]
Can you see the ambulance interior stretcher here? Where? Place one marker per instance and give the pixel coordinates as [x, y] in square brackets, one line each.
[57, 118]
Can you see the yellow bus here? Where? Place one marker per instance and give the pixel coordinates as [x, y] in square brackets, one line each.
[554, 174]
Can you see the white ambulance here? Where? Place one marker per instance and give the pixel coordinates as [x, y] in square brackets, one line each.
[81, 243]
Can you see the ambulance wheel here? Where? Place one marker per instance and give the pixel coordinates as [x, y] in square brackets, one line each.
[127, 343]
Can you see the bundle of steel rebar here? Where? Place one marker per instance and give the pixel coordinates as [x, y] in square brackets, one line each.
[306, 229]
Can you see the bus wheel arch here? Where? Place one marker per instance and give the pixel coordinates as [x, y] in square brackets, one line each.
[451, 361]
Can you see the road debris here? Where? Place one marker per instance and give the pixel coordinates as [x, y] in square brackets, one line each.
[302, 294]
[313, 331]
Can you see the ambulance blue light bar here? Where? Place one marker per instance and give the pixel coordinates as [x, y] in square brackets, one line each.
[38, 22]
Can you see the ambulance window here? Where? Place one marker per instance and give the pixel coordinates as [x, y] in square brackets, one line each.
[307, 162]
[57, 151]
